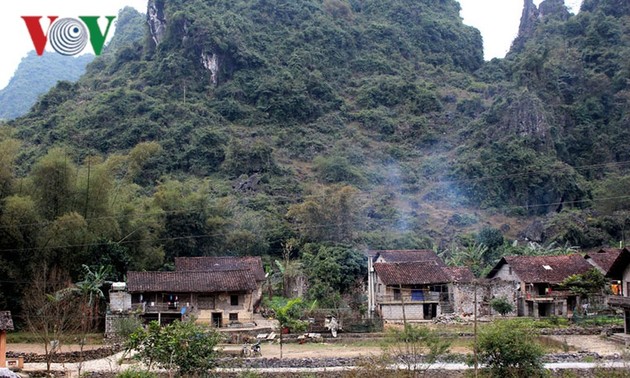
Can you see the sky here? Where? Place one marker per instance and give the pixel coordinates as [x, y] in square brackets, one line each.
[497, 20]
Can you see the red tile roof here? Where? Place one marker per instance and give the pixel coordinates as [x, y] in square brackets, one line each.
[406, 255]
[604, 258]
[411, 273]
[531, 269]
[191, 282]
[213, 263]
[460, 274]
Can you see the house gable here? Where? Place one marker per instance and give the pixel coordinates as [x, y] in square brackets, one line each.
[603, 259]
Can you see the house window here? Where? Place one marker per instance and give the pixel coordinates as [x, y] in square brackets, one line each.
[234, 317]
[396, 294]
[234, 300]
[510, 270]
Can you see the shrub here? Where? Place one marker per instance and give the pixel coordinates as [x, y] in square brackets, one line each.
[184, 345]
[510, 349]
[501, 305]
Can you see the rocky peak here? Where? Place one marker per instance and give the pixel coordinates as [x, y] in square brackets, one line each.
[529, 20]
[156, 20]
[554, 9]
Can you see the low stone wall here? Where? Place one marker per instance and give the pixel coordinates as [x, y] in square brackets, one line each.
[93, 354]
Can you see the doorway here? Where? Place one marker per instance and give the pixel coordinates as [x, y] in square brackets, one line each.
[217, 319]
[430, 310]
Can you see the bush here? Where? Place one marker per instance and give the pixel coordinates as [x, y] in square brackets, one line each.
[510, 349]
[184, 345]
[501, 305]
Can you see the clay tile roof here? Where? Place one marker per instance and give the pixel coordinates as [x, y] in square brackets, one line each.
[6, 322]
[191, 282]
[212, 263]
[406, 255]
[604, 258]
[549, 269]
[411, 273]
[460, 274]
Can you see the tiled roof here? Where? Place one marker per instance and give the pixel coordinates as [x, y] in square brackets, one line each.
[406, 255]
[6, 322]
[211, 263]
[191, 282]
[549, 269]
[604, 258]
[411, 273]
[460, 274]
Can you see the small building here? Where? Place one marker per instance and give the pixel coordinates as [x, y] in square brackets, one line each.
[220, 298]
[221, 291]
[538, 278]
[603, 260]
[414, 285]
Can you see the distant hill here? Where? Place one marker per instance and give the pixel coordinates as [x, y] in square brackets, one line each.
[35, 76]
[241, 125]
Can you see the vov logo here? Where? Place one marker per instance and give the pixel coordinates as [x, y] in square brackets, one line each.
[68, 36]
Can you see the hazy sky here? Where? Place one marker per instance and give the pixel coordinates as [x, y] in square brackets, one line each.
[496, 19]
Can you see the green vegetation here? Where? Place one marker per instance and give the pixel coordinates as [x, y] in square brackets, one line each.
[501, 305]
[509, 349]
[180, 345]
[341, 124]
[416, 347]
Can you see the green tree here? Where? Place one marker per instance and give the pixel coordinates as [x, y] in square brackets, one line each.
[510, 349]
[585, 284]
[502, 305]
[54, 183]
[330, 214]
[183, 345]
[288, 316]
[332, 272]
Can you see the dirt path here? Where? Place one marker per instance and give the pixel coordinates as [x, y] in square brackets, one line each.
[596, 344]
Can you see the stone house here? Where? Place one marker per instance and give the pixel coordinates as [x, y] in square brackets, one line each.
[221, 291]
[216, 263]
[620, 271]
[538, 277]
[413, 285]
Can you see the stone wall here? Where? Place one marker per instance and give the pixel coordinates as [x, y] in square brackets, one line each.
[119, 301]
[464, 294]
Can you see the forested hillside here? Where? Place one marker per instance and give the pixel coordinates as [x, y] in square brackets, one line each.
[35, 76]
[319, 128]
